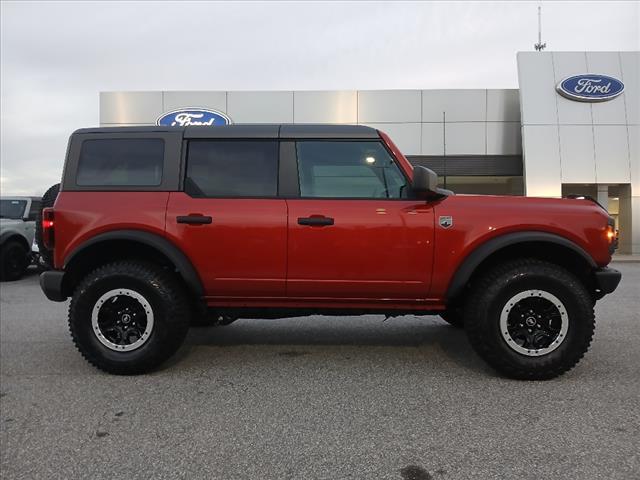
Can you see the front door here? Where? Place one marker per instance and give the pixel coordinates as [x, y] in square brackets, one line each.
[354, 233]
[229, 220]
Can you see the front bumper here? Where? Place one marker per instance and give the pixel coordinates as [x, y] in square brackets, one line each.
[51, 285]
[607, 280]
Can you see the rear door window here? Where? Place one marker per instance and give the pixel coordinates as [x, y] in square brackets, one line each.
[232, 168]
[13, 209]
[121, 162]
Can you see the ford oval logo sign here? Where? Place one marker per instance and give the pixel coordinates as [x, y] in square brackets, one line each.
[590, 88]
[186, 117]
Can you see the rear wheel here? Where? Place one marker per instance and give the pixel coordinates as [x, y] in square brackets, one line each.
[530, 319]
[128, 317]
[14, 260]
[454, 316]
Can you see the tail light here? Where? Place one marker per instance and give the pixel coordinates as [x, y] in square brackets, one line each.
[48, 228]
[612, 235]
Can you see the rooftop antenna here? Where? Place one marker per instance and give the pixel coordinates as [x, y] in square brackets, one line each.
[540, 46]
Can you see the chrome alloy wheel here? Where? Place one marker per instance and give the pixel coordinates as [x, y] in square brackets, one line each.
[122, 320]
[534, 323]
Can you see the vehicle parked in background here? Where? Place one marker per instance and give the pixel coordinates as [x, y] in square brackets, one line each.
[156, 226]
[17, 232]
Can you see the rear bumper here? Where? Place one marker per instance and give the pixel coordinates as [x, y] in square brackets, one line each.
[607, 280]
[51, 285]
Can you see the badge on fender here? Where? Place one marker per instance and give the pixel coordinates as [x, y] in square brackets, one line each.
[446, 221]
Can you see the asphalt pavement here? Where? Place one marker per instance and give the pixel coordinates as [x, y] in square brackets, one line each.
[315, 398]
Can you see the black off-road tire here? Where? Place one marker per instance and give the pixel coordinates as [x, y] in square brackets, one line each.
[14, 260]
[169, 303]
[454, 316]
[497, 287]
[48, 199]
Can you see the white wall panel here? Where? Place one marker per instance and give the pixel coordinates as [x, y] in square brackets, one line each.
[402, 106]
[212, 100]
[459, 105]
[634, 158]
[542, 161]
[631, 78]
[537, 84]
[130, 107]
[260, 107]
[577, 159]
[635, 221]
[503, 105]
[566, 64]
[612, 111]
[612, 154]
[465, 138]
[432, 139]
[504, 138]
[325, 107]
[406, 136]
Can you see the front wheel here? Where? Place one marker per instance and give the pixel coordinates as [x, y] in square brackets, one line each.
[128, 317]
[14, 260]
[530, 319]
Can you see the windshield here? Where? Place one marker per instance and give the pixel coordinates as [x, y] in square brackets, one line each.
[12, 209]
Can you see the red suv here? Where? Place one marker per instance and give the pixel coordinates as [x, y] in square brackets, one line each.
[156, 228]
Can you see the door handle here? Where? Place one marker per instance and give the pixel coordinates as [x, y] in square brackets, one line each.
[315, 221]
[194, 219]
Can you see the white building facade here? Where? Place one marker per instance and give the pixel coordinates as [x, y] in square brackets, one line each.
[529, 141]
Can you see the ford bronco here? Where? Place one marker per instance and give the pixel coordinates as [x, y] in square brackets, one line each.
[157, 227]
[17, 230]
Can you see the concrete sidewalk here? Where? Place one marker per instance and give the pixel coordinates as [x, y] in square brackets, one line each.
[625, 258]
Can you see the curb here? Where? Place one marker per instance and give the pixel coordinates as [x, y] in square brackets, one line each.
[626, 259]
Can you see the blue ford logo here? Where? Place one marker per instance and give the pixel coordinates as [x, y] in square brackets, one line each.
[186, 117]
[590, 88]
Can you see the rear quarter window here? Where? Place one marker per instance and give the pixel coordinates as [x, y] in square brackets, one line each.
[121, 162]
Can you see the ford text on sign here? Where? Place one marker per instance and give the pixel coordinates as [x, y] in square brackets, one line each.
[590, 88]
[186, 117]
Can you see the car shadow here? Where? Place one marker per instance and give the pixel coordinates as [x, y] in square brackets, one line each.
[426, 336]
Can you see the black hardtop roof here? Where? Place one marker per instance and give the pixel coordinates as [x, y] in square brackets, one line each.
[246, 130]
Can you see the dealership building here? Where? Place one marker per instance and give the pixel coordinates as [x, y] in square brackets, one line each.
[572, 127]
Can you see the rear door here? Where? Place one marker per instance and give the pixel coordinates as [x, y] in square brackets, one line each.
[229, 220]
[354, 231]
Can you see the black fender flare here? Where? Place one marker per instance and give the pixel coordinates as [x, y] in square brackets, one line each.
[11, 234]
[480, 253]
[183, 265]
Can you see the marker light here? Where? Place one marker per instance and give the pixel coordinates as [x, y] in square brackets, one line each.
[370, 160]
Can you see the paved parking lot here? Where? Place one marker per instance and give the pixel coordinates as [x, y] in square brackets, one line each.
[315, 398]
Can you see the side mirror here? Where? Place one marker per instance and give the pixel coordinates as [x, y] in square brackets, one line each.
[425, 181]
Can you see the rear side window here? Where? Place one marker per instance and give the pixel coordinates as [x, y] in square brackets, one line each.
[232, 168]
[346, 169]
[121, 162]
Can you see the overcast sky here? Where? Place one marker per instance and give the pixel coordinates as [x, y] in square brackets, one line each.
[57, 56]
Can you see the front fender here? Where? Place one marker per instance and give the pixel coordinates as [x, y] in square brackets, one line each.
[483, 251]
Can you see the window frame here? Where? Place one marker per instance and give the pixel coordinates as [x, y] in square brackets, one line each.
[170, 165]
[185, 160]
[410, 194]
